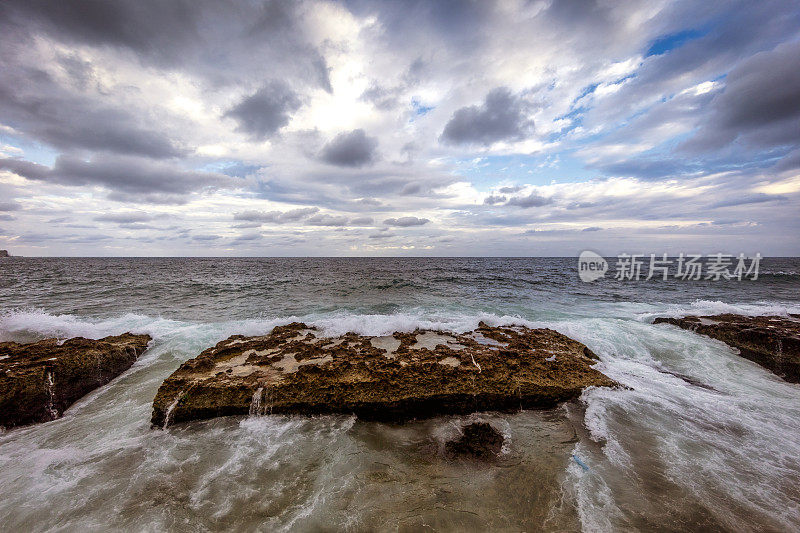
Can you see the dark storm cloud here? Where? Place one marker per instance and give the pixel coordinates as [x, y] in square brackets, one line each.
[575, 13]
[411, 189]
[266, 111]
[327, 220]
[381, 97]
[275, 217]
[405, 222]
[369, 202]
[350, 149]
[127, 177]
[27, 169]
[790, 162]
[210, 38]
[750, 199]
[149, 28]
[532, 200]
[34, 104]
[502, 117]
[125, 218]
[71, 238]
[404, 22]
[346, 189]
[760, 104]
[493, 199]
[248, 237]
[653, 167]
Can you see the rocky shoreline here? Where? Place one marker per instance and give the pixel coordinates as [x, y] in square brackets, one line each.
[771, 341]
[295, 369]
[40, 380]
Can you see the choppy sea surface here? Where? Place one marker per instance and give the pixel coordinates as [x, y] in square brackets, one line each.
[661, 454]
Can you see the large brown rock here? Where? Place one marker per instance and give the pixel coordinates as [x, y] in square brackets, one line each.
[38, 381]
[771, 341]
[406, 375]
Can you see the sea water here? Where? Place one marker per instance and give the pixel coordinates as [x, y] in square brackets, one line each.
[716, 449]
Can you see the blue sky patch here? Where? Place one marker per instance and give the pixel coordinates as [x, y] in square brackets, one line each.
[669, 42]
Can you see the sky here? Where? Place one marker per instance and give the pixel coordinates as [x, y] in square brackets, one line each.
[402, 128]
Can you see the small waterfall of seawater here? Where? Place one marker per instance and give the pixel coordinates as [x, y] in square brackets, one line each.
[51, 410]
[170, 409]
[255, 404]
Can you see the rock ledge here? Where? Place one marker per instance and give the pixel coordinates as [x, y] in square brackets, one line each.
[38, 381]
[771, 341]
[405, 375]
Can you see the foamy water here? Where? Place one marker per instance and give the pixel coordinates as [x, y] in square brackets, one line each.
[699, 438]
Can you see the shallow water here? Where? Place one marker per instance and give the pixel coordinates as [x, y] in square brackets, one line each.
[699, 439]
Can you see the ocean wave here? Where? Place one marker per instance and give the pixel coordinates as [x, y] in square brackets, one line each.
[716, 307]
[37, 323]
[31, 324]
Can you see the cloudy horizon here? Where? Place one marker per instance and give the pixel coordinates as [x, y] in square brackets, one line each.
[317, 128]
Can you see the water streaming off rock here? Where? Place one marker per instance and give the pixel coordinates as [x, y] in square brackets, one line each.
[51, 397]
[700, 439]
[255, 405]
[171, 410]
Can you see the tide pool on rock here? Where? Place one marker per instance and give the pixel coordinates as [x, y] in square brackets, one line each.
[295, 369]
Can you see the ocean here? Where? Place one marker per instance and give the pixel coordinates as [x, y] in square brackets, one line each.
[660, 454]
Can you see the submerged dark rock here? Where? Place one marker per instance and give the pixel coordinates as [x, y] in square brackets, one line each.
[38, 381]
[771, 341]
[405, 375]
[479, 440]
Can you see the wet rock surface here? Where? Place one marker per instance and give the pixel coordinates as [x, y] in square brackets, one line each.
[295, 369]
[771, 341]
[38, 381]
[479, 440]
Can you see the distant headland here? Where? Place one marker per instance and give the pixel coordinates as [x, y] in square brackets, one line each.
[4, 253]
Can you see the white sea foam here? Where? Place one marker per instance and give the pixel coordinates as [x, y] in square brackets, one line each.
[726, 446]
[38, 323]
[707, 307]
